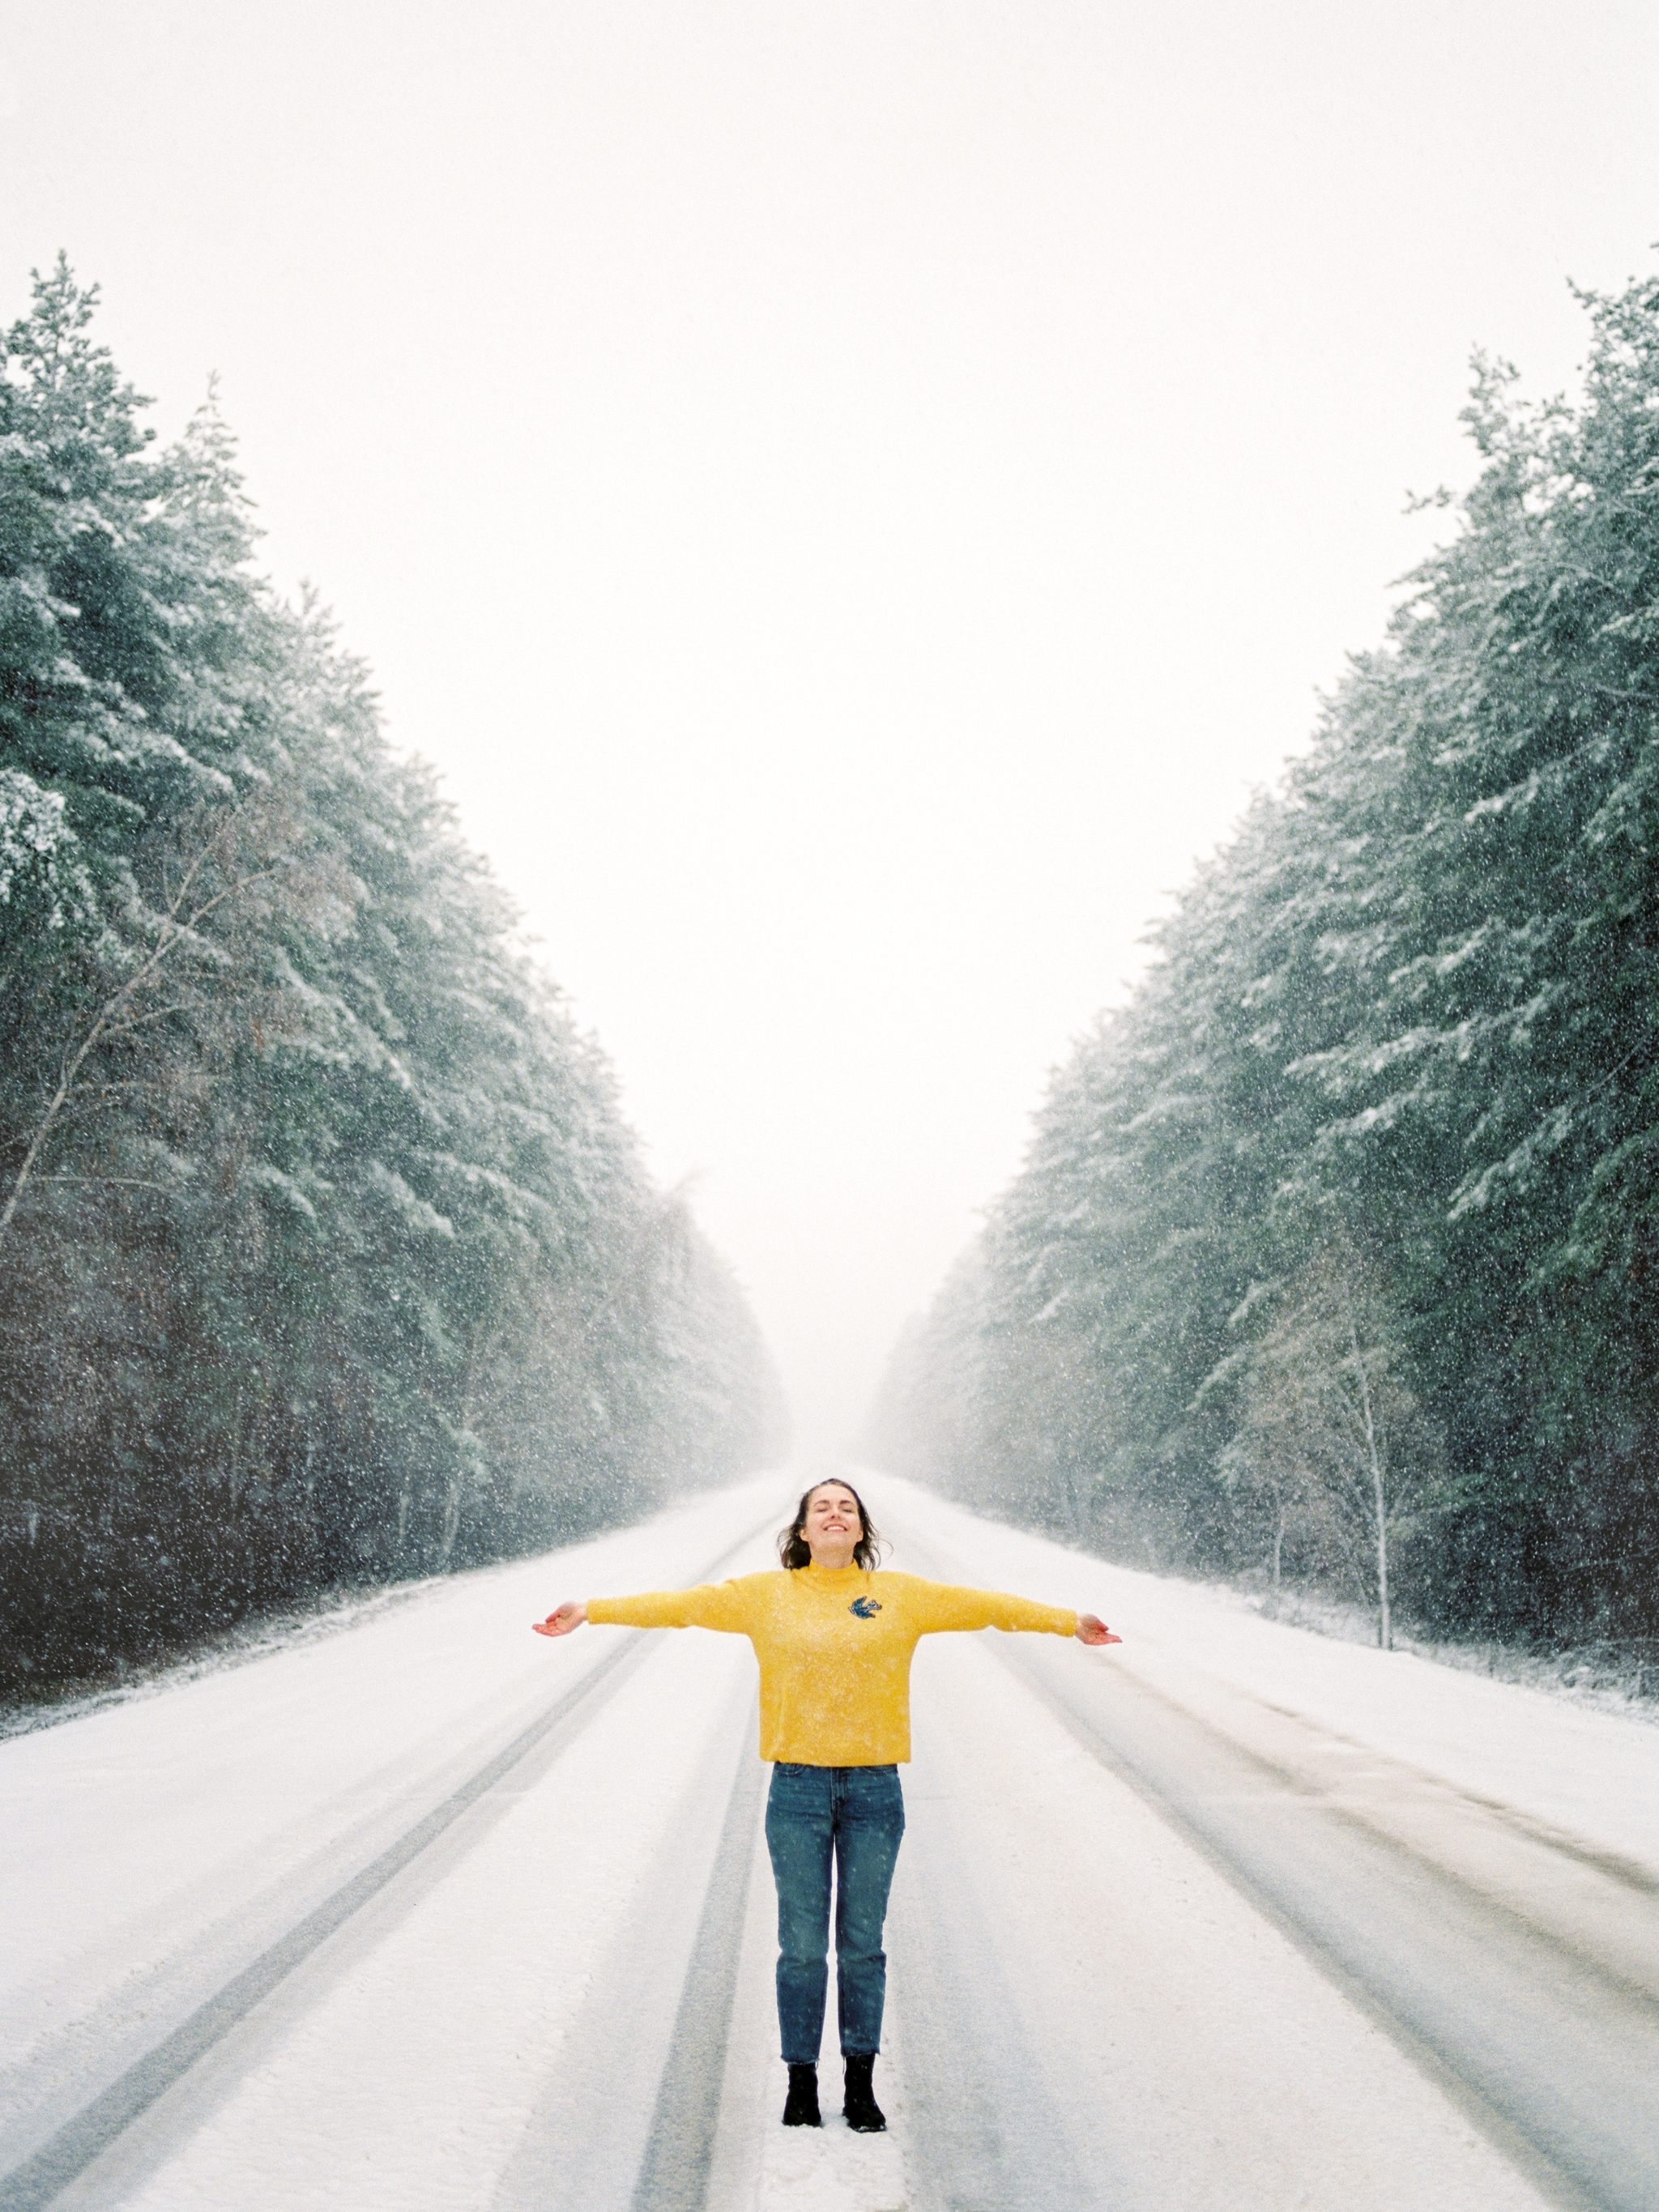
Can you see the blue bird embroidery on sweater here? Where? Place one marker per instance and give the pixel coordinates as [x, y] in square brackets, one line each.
[865, 1608]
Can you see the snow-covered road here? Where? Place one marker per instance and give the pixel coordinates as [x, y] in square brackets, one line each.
[434, 1913]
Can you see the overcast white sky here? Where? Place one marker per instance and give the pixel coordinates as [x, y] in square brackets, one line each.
[851, 494]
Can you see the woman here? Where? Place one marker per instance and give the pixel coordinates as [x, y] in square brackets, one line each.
[834, 1639]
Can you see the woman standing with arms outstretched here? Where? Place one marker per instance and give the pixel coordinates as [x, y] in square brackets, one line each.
[834, 1637]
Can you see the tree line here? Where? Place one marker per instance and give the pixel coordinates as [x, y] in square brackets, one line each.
[1336, 1249]
[325, 1253]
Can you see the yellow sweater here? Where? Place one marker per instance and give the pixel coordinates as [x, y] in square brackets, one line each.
[834, 1645]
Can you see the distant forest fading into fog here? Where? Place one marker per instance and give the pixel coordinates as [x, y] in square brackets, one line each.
[1336, 1251]
[326, 1255]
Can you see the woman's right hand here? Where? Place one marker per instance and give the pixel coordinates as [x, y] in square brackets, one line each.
[562, 1620]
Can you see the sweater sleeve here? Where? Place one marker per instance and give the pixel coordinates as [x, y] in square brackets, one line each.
[710, 1605]
[946, 1605]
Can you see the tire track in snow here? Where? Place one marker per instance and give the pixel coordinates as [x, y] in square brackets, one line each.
[982, 2133]
[50, 2169]
[679, 2153]
[628, 2113]
[1556, 2059]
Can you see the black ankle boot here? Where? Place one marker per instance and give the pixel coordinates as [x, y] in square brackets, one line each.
[862, 2112]
[800, 2106]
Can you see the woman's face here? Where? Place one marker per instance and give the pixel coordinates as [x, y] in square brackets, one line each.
[832, 1521]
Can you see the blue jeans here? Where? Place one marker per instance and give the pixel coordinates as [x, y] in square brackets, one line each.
[854, 1815]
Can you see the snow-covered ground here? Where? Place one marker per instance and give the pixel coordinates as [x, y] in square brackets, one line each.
[435, 1913]
[1572, 1772]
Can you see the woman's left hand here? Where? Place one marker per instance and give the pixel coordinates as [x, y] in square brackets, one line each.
[1092, 1629]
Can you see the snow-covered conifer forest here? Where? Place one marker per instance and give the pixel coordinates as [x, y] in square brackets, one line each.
[326, 1255]
[1336, 1250]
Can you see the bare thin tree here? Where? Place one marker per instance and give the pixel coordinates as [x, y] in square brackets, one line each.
[1331, 1433]
[226, 856]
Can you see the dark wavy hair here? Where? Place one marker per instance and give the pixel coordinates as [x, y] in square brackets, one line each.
[793, 1546]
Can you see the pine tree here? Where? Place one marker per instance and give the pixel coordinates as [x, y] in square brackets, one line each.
[325, 1253]
[1409, 1012]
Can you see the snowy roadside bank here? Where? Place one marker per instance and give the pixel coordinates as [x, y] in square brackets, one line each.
[1618, 1676]
[287, 1630]
[1612, 1676]
[260, 1638]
